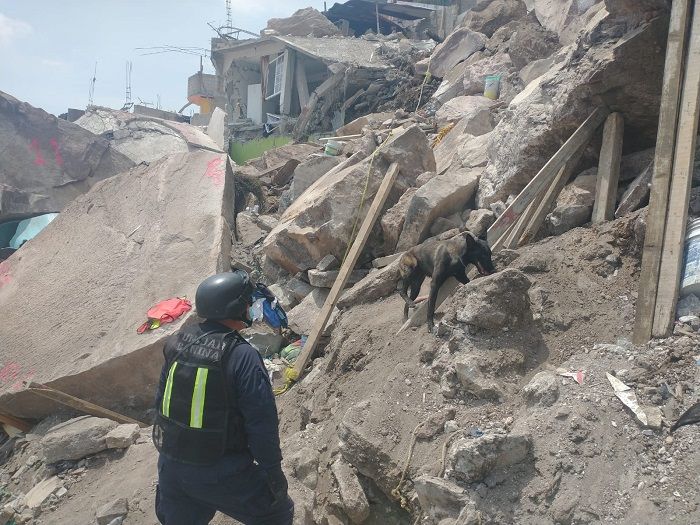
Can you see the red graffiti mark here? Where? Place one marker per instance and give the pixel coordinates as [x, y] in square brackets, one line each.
[216, 171]
[5, 277]
[19, 384]
[38, 157]
[9, 372]
[56, 151]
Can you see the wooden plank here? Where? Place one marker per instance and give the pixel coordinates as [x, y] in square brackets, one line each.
[287, 82]
[545, 205]
[302, 82]
[519, 227]
[347, 268]
[502, 239]
[681, 180]
[19, 424]
[608, 169]
[663, 162]
[419, 316]
[547, 174]
[80, 404]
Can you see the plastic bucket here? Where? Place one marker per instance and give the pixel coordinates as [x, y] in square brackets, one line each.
[333, 148]
[492, 85]
[690, 281]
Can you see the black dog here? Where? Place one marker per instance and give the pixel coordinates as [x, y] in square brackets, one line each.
[441, 259]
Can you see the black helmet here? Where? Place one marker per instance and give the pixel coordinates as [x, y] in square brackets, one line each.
[224, 296]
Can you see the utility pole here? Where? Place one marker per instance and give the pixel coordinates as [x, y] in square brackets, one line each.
[376, 11]
[92, 86]
[229, 18]
[127, 100]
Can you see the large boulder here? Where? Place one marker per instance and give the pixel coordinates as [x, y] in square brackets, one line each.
[76, 439]
[574, 204]
[480, 66]
[141, 237]
[525, 41]
[624, 74]
[475, 110]
[457, 47]
[490, 15]
[392, 221]
[310, 170]
[304, 22]
[276, 157]
[321, 221]
[46, 162]
[472, 459]
[144, 138]
[440, 197]
[372, 288]
[494, 302]
[352, 495]
[564, 17]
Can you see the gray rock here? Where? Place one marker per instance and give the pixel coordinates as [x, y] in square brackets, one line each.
[480, 221]
[457, 47]
[372, 288]
[473, 459]
[76, 438]
[321, 221]
[310, 170]
[488, 17]
[543, 389]
[393, 219]
[473, 380]
[286, 298]
[299, 288]
[303, 316]
[329, 262]
[492, 303]
[116, 509]
[475, 110]
[321, 279]
[46, 162]
[352, 495]
[123, 436]
[440, 498]
[574, 205]
[304, 466]
[41, 492]
[636, 193]
[442, 196]
[535, 69]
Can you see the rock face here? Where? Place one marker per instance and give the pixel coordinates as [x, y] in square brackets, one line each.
[46, 162]
[574, 204]
[472, 460]
[474, 109]
[487, 17]
[352, 495]
[123, 436]
[304, 22]
[76, 439]
[439, 497]
[160, 230]
[624, 74]
[441, 196]
[393, 220]
[372, 288]
[320, 222]
[143, 138]
[309, 171]
[494, 302]
[457, 47]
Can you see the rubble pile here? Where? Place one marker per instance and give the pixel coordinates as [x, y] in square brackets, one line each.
[526, 404]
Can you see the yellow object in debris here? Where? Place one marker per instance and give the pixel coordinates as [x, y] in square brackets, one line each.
[441, 134]
[290, 377]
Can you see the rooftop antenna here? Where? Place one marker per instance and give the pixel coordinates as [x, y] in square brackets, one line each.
[229, 18]
[127, 100]
[92, 86]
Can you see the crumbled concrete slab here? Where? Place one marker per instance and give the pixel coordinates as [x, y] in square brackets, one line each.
[72, 298]
[77, 439]
[122, 436]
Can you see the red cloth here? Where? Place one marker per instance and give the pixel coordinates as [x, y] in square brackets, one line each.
[165, 312]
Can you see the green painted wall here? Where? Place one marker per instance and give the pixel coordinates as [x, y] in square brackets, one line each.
[242, 152]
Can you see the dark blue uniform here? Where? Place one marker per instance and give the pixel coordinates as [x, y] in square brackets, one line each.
[238, 485]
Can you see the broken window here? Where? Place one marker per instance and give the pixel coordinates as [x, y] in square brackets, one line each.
[275, 72]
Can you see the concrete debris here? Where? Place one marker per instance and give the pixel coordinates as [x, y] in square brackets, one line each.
[493, 303]
[156, 244]
[543, 389]
[328, 263]
[480, 221]
[475, 109]
[473, 459]
[304, 466]
[76, 439]
[302, 317]
[46, 162]
[371, 121]
[372, 288]
[488, 17]
[298, 243]
[111, 511]
[123, 436]
[352, 495]
[393, 219]
[309, 171]
[525, 41]
[636, 193]
[284, 295]
[473, 380]
[304, 22]
[36, 497]
[574, 205]
[264, 338]
[441, 196]
[299, 288]
[142, 138]
[327, 279]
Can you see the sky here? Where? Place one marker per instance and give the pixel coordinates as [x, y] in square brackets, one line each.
[48, 49]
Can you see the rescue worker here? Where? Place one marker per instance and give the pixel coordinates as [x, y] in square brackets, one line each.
[216, 426]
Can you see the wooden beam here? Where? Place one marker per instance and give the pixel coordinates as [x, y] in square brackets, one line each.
[347, 268]
[513, 237]
[307, 112]
[681, 180]
[420, 314]
[545, 205]
[502, 239]
[608, 169]
[663, 162]
[287, 93]
[545, 176]
[19, 424]
[80, 404]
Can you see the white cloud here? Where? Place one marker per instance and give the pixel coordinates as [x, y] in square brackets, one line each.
[12, 28]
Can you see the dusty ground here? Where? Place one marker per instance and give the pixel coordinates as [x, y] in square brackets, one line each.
[590, 461]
